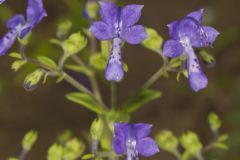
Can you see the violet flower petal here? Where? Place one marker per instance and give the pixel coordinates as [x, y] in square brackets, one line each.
[130, 15]
[7, 41]
[172, 49]
[101, 31]
[109, 13]
[197, 78]
[211, 34]
[1, 1]
[135, 34]
[197, 15]
[119, 145]
[35, 11]
[114, 70]
[147, 147]
[142, 130]
[15, 21]
[192, 30]
[173, 30]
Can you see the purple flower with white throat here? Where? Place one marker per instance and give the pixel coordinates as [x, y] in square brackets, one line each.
[133, 139]
[118, 24]
[18, 26]
[185, 35]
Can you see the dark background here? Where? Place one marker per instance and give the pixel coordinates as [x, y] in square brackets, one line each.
[179, 110]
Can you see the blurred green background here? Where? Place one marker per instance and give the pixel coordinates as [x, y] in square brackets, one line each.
[180, 109]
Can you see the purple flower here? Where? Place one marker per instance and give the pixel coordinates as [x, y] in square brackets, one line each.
[1, 1]
[117, 24]
[18, 26]
[133, 139]
[185, 35]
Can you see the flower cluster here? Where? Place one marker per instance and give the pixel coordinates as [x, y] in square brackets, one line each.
[118, 24]
[133, 139]
[18, 26]
[186, 34]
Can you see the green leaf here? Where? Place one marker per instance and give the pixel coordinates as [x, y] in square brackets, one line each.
[47, 61]
[97, 129]
[18, 65]
[13, 158]
[73, 149]
[154, 40]
[75, 43]
[167, 141]
[55, 152]
[125, 67]
[223, 138]
[214, 122]
[86, 101]
[60, 78]
[87, 156]
[80, 69]
[29, 139]
[141, 99]
[219, 145]
[98, 61]
[15, 55]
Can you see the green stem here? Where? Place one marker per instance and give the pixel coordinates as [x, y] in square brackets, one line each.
[95, 87]
[76, 84]
[113, 91]
[177, 155]
[92, 79]
[22, 155]
[200, 157]
[153, 79]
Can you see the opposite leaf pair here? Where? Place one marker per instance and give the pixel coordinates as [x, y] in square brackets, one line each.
[119, 24]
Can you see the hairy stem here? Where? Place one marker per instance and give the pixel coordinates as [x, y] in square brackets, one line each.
[22, 155]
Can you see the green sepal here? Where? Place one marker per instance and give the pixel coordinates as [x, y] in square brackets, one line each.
[96, 129]
[214, 122]
[55, 152]
[167, 141]
[73, 149]
[29, 139]
[98, 61]
[63, 28]
[47, 61]
[15, 55]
